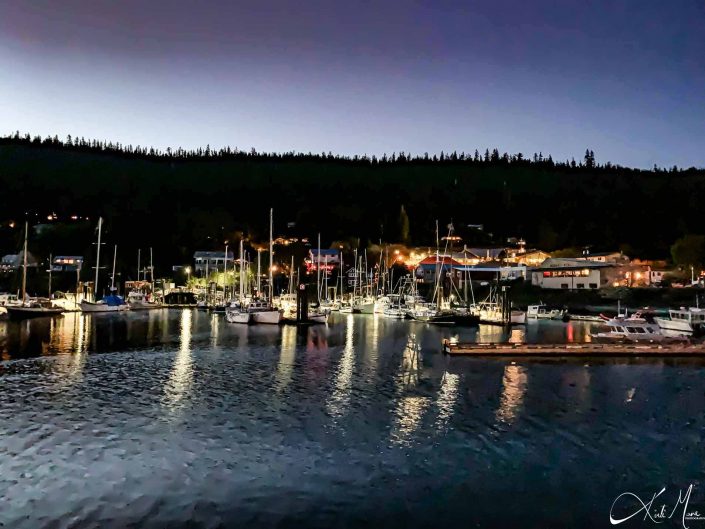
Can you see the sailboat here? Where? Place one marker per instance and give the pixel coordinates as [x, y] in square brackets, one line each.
[236, 312]
[490, 311]
[112, 302]
[30, 308]
[263, 311]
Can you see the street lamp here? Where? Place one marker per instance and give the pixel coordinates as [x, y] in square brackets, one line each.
[188, 274]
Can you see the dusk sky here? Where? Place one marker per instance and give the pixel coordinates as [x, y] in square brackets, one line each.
[624, 78]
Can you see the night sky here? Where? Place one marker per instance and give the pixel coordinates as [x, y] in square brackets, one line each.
[625, 78]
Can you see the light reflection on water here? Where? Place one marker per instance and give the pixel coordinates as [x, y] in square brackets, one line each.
[363, 416]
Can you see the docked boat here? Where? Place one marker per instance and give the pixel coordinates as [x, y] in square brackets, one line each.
[32, 309]
[138, 300]
[262, 311]
[684, 321]
[112, 302]
[28, 308]
[491, 311]
[235, 313]
[542, 312]
[429, 313]
[631, 329]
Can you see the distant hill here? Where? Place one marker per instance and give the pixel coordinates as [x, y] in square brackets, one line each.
[179, 201]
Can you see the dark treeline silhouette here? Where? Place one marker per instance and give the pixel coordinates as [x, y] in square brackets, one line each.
[181, 200]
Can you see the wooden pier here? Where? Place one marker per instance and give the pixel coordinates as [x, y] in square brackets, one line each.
[574, 349]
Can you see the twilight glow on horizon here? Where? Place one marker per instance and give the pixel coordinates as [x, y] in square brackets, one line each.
[625, 79]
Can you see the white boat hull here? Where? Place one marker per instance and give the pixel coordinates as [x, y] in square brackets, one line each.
[270, 317]
[87, 306]
[236, 316]
[679, 326]
[367, 308]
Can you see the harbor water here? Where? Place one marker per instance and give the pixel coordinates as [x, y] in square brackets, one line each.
[176, 418]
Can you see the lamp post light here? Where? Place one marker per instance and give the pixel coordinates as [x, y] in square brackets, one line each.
[188, 274]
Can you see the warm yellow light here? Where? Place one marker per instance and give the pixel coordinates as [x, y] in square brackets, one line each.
[638, 275]
[274, 268]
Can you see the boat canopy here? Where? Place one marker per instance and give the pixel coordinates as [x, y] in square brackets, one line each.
[113, 300]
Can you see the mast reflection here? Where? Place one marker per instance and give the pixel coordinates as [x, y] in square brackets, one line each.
[338, 402]
[181, 378]
[410, 407]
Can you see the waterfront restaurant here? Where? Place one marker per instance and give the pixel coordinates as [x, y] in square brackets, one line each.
[571, 274]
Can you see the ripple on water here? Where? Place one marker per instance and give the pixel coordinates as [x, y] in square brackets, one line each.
[194, 422]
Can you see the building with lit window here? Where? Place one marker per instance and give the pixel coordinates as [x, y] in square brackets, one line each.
[212, 261]
[571, 274]
[66, 263]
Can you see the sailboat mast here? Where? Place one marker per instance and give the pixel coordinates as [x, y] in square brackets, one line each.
[51, 257]
[242, 284]
[259, 272]
[139, 259]
[325, 277]
[318, 269]
[97, 260]
[112, 278]
[151, 268]
[24, 262]
[271, 252]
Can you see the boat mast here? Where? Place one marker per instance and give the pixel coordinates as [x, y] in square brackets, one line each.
[24, 262]
[318, 270]
[139, 255]
[97, 260]
[151, 269]
[225, 273]
[50, 267]
[259, 272]
[271, 252]
[242, 284]
[325, 277]
[112, 278]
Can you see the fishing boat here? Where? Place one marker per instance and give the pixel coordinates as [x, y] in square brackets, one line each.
[687, 321]
[138, 300]
[542, 312]
[492, 312]
[631, 329]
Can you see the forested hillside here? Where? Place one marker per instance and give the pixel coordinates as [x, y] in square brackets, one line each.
[179, 201]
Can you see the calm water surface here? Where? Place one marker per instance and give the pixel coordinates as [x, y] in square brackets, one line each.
[176, 418]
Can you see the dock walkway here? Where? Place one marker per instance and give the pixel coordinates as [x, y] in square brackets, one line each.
[573, 349]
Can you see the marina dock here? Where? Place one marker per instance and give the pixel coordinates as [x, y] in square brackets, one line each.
[573, 349]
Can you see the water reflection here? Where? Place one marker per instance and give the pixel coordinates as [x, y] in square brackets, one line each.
[447, 399]
[514, 382]
[338, 402]
[411, 406]
[287, 356]
[287, 420]
[181, 377]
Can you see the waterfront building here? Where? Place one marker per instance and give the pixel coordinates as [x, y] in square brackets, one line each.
[66, 263]
[425, 272]
[13, 262]
[570, 274]
[212, 261]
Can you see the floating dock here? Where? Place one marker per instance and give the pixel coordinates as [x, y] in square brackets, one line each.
[574, 349]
